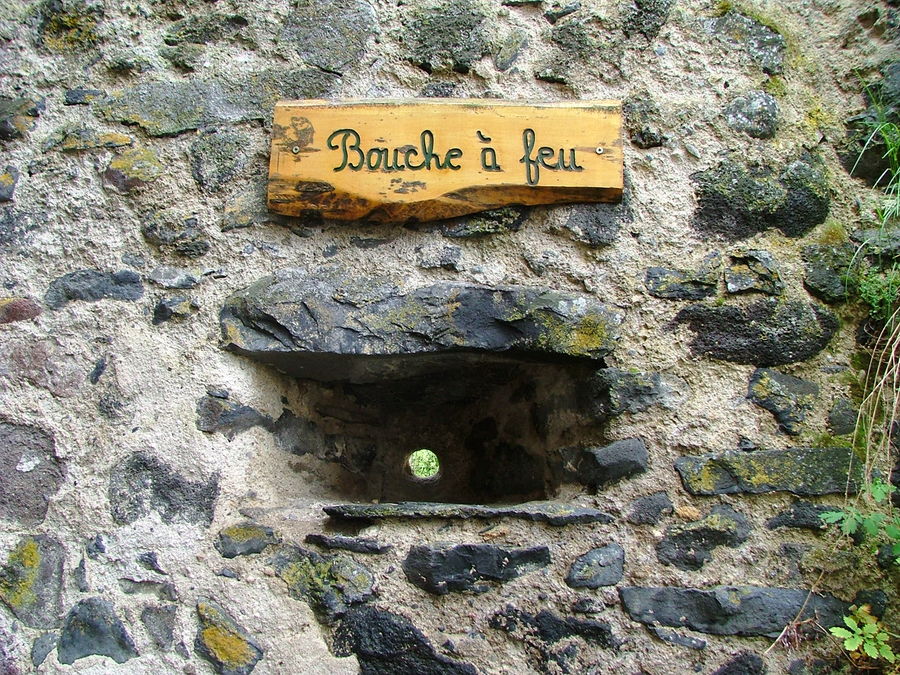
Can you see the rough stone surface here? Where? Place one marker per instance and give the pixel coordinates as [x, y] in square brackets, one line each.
[730, 610]
[18, 309]
[649, 510]
[737, 200]
[174, 307]
[803, 471]
[801, 514]
[42, 646]
[354, 544]
[216, 412]
[675, 284]
[445, 35]
[479, 225]
[93, 285]
[755, 114]
[642, 123]
[622, 459]
[17, 117]
[159, 621]
[8, 180]
[174, 277]
[753, 270]
[141, 483]
[552, 513]
[787, 397]
[31, 581]
[827, 267]
[184, 237]
[743, 663]
[677, 639]
[842, 417]
[77, 139]
[134, 168]
[444, 568]
[386, 643]
[764, 46]
[615, 391]
[689, 546]
[216, 158]
[331, 584]
[647, 17]
[244, 539]
[30, 472]
[598, 224]
[93, 628]
[223, 642]
[763, 333]
[309, 319]
[332, 37]
[598, 567]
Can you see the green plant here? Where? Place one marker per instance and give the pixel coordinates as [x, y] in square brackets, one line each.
[880, 290]
[865, 635]
[423, 464]
[872, 515]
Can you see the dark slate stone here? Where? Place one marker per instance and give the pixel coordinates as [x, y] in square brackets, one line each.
[642, 122]
[646, 17]
[217, 157]
[551, 628]
[173, 277]
[223, 642]
[331, 36]
[883, 243]
[31, 581]
[497, 221]
[336, 325]
[801, 514]
[764, 333]
[552, 513]
[803, 471]
[444, 568]
[507, 50]
[14, 226]
[674, 638]
[736, 200]
[827, 267]
[141, 483]
[355, 544]
[185, 238]
[132, 169]
[160, 624]
[447, 257]
[615, 391]
[787, 397]
[202, 29]
[389, 644]
[92, 628]
[170, 108]
[82, 96]
[330, 584]
[621, 459]
[93, 285]
[174, 307]
[8, 180]
[755, 114]
[764, 46]
[17, 116]
[150, 561]
[674, 284]
[810, 666]
[41, 648]
[557, 11]
[598, 567]
[842, 417]
[689, 546]
[447, 35]
[244, 539]
[753, 270]
[599, 224]
[79, 576]
[18, 309]
[30, 472]
[731, 610]
[217, 413]
[649, 510]
[742, 663]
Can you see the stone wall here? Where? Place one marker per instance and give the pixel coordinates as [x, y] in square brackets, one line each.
[643, 410]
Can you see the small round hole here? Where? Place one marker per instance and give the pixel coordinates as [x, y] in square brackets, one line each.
[424, 464]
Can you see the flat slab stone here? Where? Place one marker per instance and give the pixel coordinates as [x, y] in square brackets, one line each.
[333, 325]
[552, 513]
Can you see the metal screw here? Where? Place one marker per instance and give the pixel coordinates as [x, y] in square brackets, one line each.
[600, 151]
[296, 149]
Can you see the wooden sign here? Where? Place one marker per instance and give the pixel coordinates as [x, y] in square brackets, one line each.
[418, 160]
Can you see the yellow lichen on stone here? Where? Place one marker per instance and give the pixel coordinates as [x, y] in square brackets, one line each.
[138, 164]
[226, 646]
[20, 575]
[6, 179]
[243, 532]
[70, 31]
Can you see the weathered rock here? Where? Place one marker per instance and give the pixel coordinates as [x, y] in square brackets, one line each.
[31, 581]
[621, 459]
[649, 510]
[674, 284]
[134, 168]
[43, 364]
[223, 642]
[642, 121]
[186, 56]
[216, 158]
[646, 17]
[174, 277]
[755, 113]
[160, 624]
[170, 108]
[883, 243]
[800, 514]
[447, 35]
[810, 666]
[558, 11]
[8, 180]
[802, 471]
[244, 539]
[17, 116]
[80, 96]
[93, 285]
[730, 610]
[355, 544]
[84, 138]
[615, 391]
[551, 628]
[764, 333]
[215, 412]
[507, 49]
[497, 221]
[787, 397]
[742, 663]
[30, 472]
[331, 36]
[386, 644]
[92, 628]
[444, 568]
[689, 546]
[184, 237]
[674, 638]
[764, 46]
[737, 200]
[69, 27]
[331, 584]
[552, 513]
[14, 226]
[827, 267]
[842, 417]
[302, 323]
[753, 270]
[446, 257]
[174, 307]
[201, 29]
[141, 483]
[41, 648]
[598, 567]
[598, 224]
